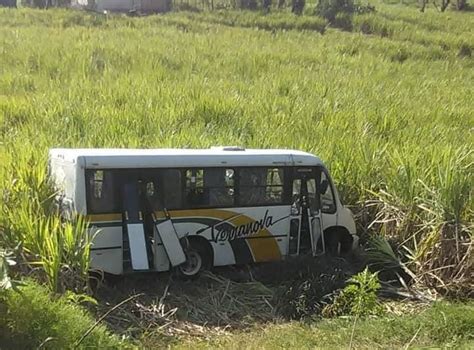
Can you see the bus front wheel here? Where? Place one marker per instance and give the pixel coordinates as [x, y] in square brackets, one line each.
[338, 241]
[198, 258]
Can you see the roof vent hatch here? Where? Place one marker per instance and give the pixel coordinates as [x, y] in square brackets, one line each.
[228, 148]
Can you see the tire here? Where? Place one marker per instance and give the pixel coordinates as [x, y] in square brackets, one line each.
[338, 242]
[198, 259]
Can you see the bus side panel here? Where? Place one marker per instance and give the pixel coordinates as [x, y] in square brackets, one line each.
[238, 235]
[80, 187]
[265, 230]
[201, 224]
[107, 260]
[106, 248]
[161, 261]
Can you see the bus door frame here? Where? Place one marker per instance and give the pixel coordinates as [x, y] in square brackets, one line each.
[313, 210]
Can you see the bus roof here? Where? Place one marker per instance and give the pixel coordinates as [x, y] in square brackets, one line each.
[120, 158]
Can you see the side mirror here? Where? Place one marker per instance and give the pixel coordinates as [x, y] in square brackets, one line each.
[323, 186]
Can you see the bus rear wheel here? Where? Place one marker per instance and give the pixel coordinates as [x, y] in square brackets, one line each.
[198, 259]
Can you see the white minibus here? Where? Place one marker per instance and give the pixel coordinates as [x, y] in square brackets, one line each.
[156, 209]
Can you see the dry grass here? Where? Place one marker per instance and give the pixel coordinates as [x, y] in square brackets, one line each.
[210, 306]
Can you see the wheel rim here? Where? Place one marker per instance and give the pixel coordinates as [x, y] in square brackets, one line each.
[192, 265]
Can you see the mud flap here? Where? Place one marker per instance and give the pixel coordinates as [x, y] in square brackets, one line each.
[135, 229]
[167, 233]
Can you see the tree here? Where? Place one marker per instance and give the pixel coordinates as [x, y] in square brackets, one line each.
[8, 3]
[297, 6]
[330, 8]
[461, 5]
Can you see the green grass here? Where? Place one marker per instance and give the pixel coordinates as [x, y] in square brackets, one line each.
[34, 317]
[443, 325]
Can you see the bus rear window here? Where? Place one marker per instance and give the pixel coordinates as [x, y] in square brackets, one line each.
[100, 191]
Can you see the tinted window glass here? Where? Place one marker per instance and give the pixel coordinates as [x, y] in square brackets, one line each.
[209, 187]
[171, 188]
[220, 186]
[101, 196]
[261, 186]
[149, 193]
[311, 186]
[328, 205]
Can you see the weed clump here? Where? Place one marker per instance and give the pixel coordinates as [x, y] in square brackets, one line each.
[465, 51]
[308, 297]
[304, 285]
[358, 298]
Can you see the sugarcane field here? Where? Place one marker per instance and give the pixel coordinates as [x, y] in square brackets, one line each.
[236, 174]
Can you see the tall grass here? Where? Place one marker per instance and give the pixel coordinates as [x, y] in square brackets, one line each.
[34, 319]
[32, 225]
[390, 111]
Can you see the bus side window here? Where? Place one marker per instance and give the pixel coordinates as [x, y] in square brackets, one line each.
[296, 197]
[328, 205]
[219, 184]
[101, 196]
[171, 188]
[195, 194]
[311, 185]
[209, 187]
[259, 186]
[252, 185]
[274, 193]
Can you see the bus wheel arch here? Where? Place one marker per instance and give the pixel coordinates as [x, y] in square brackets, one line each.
[338, 240]
[200, 257]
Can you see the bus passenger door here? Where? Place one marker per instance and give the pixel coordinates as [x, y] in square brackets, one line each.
[305, 223]
[161, 234]
[134, 227]
[169, 238]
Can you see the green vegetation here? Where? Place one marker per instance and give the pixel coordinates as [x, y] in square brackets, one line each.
[33, 318]
[442, 325]
[358, 298]
[387, 104]
[384, 110]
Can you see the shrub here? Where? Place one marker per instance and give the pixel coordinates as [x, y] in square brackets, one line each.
[297, 6]
[308, 283]
[307, 297]
[359, 298]
[372, 24]
[7, 283]
[343, 21]
[60, 248]
[329, 9]
[465, 51]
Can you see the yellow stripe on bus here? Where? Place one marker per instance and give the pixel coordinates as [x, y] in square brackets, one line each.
[262, 249]
[265, 249]
[103, 217]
